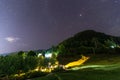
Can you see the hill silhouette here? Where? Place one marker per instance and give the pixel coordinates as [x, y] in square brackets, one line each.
[88, 41]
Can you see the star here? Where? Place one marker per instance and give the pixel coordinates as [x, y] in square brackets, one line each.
[80, 15]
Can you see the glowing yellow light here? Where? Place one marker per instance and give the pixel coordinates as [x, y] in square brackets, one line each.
[77, 63]
[18, 75]
[37, 69]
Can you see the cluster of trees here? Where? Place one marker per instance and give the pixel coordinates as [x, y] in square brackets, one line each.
[22, 62]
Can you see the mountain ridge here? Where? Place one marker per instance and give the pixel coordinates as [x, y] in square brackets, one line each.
[87, 40]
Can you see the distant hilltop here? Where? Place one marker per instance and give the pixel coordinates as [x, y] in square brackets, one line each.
[89, 42]
[89, 35]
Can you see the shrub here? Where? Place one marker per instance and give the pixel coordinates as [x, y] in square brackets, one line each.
[35, 74]
[58, 69]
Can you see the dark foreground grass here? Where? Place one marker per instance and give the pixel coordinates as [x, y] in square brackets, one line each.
[85, 74]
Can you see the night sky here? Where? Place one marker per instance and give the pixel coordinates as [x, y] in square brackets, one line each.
[39, 24]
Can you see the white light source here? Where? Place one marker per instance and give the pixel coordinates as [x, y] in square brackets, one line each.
[48, 55]
[40, 54]
[12, 39]
[112, 46]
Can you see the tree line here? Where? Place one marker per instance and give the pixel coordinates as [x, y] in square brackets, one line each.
[23, 62]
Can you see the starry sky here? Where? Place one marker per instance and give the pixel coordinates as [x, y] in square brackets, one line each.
[39, 24]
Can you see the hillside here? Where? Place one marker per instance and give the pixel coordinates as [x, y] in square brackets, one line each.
[99, 67]
[87, 38]
[88, 42]
[102, 65]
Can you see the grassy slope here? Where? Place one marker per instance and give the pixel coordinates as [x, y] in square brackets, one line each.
[84, 75]
[109, 71]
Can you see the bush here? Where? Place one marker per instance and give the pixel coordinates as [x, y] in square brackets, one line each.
[58, 69]
[28, 75]
[35, 74]
[2, 75]
[85, 50]
[117, 50]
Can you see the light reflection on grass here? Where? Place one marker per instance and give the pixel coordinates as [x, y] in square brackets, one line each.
[98, 67]
[78, 62]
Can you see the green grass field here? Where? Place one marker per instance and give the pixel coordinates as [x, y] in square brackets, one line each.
[86, 74]
[99, 67]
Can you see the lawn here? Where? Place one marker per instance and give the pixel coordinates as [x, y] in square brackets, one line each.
[99, 67]
[86, 74]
